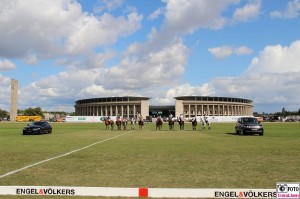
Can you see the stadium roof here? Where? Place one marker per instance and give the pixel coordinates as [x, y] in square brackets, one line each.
[212, 98]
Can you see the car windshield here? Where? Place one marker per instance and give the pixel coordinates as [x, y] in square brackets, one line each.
[250, 121]
[36, 124]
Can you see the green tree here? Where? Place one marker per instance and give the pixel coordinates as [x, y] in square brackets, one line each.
[3, 113]
[34, 112]
[283, 112]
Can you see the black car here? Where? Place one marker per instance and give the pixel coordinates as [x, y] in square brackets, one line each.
[248, 125]
[37, 128]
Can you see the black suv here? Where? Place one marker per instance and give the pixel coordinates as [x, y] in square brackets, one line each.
[248, 125]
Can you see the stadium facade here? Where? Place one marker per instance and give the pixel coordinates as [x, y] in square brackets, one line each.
[189, 106]
[112, 106]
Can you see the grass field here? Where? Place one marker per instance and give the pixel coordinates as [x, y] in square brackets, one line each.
[160, 159]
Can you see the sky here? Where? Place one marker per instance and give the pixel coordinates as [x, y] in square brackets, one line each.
[61, 51]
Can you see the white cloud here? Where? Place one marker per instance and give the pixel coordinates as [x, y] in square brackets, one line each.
[5, 92]
[263, 82]
[185, 16]
[167, 97]
[60, 30]
[277, 59]
[136, 74]
[221, 52]
[31, 59]
[249, 12]
[243, 50]
[92, 32]
[151, 68]
[57, 92]
[155, 14]
[292, 11]
[6, 65]
[107, 5]
[226, 51]
[271, 78]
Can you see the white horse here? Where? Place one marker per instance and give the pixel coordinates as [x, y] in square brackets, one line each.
[132, 122]
[205, 122]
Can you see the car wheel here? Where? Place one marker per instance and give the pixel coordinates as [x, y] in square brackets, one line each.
[49, 131]
[261, 134]
[41, 132]
[236, 131]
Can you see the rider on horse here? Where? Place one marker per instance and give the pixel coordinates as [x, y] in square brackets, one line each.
[181, 122]
[141, 121]
[132, 122]
[171, 122]
[159, 123]
[124, 122]
[194, 123]
[118, 122]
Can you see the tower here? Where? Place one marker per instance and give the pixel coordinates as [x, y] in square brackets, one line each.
[14, 100]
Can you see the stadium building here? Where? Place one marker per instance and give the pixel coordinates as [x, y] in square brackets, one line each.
[189, 106]
[113, 106]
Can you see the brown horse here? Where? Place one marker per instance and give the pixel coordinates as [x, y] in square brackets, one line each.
[107, 122]
[141, 124]
[159, 124]
[118, 123]
[171, 123]
[112, 123]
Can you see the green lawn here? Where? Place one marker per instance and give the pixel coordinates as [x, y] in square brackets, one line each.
[169, 159]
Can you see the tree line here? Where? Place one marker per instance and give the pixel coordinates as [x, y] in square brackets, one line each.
[31, 112]
[282, 114]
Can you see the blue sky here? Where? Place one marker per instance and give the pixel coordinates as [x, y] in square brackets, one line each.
[64, 50]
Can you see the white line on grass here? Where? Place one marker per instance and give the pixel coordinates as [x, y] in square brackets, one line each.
[56, 157]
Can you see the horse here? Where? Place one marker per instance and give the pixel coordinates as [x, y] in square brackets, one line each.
[181, 124]
[159, 124]
[124, 122]
[112, 123]
[194, 124]
[204, 123]
[107, 122]
[118, 123]
[141, 124]
[132, 122]
[171, 123]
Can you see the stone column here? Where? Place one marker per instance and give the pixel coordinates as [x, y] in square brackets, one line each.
[134, 111]
[14, 100]
[179, 108]
[128, 112]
